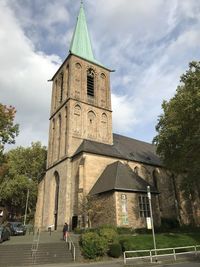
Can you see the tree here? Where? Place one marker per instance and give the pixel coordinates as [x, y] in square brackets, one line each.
[30, 161]
[22, 171]
[178, 139]
[8, 130]
[90, 209]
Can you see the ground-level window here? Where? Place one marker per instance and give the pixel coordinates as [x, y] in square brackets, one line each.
[144, 206]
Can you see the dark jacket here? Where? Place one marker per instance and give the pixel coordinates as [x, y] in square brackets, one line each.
[65, 228]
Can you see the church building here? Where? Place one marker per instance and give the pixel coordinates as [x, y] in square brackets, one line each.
[94, 176]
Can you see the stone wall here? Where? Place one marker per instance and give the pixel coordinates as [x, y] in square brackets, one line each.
[128, 211]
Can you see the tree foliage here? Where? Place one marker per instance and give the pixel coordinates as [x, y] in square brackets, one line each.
[30, 161]
[8, 130]
[178, 139]
[22, 170]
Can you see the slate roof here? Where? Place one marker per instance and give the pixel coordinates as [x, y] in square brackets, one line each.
[123, 148]
[120, 177]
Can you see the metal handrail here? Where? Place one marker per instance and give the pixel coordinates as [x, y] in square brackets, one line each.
[71, 246]
[156, 255]
[35, 245]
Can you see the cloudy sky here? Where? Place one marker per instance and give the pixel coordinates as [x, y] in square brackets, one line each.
[148, 42]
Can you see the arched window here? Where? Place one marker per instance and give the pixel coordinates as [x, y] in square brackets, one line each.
[53, 140]
[55, 94]
[77, 122]
[57, 184]
[91, 124]
[90, 82]
[59, 135]
[61, 87]
[103, 91]
[65, 130]
[77, 81]
[104, 126]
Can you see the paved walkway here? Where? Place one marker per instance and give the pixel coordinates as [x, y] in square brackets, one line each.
[120, 264]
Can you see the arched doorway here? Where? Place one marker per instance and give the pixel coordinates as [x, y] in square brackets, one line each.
[57, 183]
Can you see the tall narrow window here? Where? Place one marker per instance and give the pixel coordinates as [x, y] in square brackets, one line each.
[104, 126]
[53, 139]
[59, 135]
[56, 206]
[77, 121]
[55, 94]
[90, 82]
[65, 130]
[144, 206]
[61, 87]
[91, 125]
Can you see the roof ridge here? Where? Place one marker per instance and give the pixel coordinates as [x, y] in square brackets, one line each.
[127, 137]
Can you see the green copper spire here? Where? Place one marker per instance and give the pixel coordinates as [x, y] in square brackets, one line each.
[80, 44]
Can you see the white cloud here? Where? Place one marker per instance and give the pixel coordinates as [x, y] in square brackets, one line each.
[124, 117]
[23, 79]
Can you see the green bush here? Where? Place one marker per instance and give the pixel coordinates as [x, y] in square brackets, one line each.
[109, 234]
[115, 250]
[93, 245]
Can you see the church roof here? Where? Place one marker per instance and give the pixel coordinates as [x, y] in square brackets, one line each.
[120, 177]
[80, 43]
[123, 148]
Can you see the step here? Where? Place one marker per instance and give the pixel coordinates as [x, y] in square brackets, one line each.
[20, 254]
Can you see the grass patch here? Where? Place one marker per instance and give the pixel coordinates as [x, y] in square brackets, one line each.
[166, 240]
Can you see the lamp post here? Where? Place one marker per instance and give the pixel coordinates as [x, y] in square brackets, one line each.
[27, 198]
[151, 216]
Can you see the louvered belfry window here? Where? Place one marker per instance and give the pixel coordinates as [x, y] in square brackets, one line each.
[90, 82]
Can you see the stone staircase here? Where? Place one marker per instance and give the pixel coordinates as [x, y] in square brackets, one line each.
[51, 249]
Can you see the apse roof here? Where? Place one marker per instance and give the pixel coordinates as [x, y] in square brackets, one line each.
[123, 148]
[120, 177]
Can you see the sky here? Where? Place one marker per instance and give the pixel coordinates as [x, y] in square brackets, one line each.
[148, 43]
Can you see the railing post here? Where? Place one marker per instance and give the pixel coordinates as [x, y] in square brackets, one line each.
[74, 253]
[174, 252]
[195, 249]
[151, 256]
[124, 257]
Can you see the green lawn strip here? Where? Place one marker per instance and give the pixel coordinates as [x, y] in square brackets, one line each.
[166, 240]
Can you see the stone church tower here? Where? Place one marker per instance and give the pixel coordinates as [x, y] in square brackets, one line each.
[80, 109]
[86, 159]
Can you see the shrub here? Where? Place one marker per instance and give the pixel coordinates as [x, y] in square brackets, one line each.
[109, 234]
[93, 245]
[115, 250]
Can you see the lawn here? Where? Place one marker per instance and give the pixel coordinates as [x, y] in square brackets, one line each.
[165, 240]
